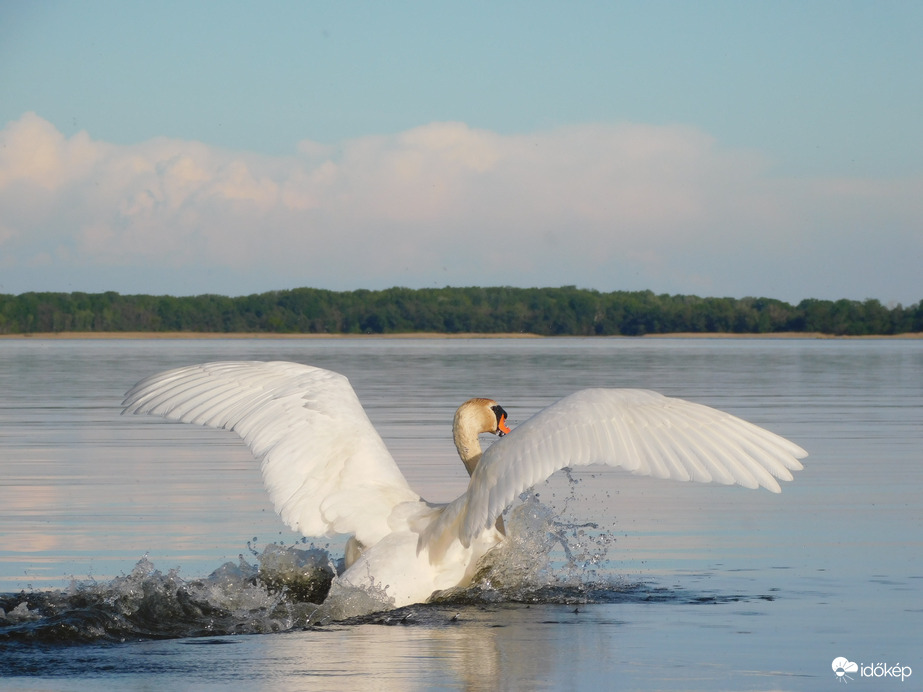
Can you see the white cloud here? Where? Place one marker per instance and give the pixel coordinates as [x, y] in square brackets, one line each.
[608, 206]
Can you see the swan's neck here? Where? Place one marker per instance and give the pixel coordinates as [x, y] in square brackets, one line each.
[469, 448]
[472, 418]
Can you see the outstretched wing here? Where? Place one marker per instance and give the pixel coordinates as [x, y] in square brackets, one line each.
[641, 431]
[326, 468]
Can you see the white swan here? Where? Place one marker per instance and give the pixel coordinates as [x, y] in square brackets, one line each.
[328, 471]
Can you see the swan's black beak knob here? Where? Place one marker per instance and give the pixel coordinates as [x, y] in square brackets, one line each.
[502, 427]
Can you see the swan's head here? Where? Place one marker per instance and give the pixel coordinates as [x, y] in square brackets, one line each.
[472, 418]
[477, 416]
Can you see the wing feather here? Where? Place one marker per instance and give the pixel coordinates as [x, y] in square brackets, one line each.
[641, 431]
[326, 468]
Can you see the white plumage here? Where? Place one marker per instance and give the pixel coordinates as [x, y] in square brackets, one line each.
[328, 471]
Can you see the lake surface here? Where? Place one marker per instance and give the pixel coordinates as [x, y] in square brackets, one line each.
[129, 545]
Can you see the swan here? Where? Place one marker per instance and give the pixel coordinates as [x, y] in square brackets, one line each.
[327, 471]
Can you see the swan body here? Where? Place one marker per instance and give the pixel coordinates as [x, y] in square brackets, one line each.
[328, 471]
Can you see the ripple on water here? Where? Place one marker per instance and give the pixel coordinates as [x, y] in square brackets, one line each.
[545, 560]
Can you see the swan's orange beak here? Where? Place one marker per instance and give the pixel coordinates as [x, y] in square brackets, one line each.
[502, 427]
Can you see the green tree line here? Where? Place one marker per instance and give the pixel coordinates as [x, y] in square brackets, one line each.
[545, 311]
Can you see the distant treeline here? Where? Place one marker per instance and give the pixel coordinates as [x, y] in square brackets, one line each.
[545, 311]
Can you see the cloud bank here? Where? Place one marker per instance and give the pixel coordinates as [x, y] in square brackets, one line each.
[607, 206]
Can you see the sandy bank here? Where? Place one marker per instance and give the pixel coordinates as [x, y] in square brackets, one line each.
[254, 335]
[427, 335]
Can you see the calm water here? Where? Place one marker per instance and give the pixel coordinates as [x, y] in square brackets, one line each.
[116, 532]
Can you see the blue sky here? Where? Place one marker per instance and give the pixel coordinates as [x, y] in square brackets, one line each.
[716, 148]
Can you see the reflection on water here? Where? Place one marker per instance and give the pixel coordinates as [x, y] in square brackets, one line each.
[674, 585]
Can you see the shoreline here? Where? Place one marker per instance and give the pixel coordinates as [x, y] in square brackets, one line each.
[54, 336]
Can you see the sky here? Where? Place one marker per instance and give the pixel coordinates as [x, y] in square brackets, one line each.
[711, 148]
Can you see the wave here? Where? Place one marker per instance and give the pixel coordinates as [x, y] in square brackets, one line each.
[545, 560]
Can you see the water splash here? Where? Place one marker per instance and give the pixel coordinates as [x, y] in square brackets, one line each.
[237, 598]
[547, 558]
